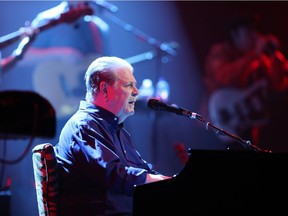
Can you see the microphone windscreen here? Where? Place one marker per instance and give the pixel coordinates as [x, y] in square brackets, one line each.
[153, 104]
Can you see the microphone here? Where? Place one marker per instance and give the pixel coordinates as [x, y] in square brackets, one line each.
[106, 5]
[159, 105]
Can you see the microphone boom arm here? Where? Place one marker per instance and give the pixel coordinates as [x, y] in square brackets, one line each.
[219, 131]
[158, 105]
[161, 46]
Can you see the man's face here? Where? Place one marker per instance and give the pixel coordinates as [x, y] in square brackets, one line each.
[122, 95]
[245, 38]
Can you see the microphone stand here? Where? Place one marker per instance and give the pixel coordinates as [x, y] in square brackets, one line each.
[161, 47]
[70, 16]
[245, 143]
[17, 53]
[11, 38]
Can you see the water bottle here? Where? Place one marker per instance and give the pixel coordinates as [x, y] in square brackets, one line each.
[162, 90]
[146, 90]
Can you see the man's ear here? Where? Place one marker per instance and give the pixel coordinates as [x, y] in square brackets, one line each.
[103, 87]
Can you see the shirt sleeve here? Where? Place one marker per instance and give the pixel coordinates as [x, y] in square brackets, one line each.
[94, 155]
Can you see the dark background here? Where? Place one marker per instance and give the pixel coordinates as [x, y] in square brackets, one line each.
[204, 21]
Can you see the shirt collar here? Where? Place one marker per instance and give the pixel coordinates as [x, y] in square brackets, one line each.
[111, 118]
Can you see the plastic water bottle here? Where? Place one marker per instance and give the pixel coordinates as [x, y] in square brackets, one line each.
[162, 89]
[146, 90]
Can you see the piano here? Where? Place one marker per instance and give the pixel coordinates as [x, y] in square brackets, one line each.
[216, 182]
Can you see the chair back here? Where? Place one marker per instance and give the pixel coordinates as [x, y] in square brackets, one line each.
[46, 175]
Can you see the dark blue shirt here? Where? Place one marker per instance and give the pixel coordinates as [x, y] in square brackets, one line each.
[98, 163]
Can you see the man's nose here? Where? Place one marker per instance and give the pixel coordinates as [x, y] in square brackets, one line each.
[135, 91]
